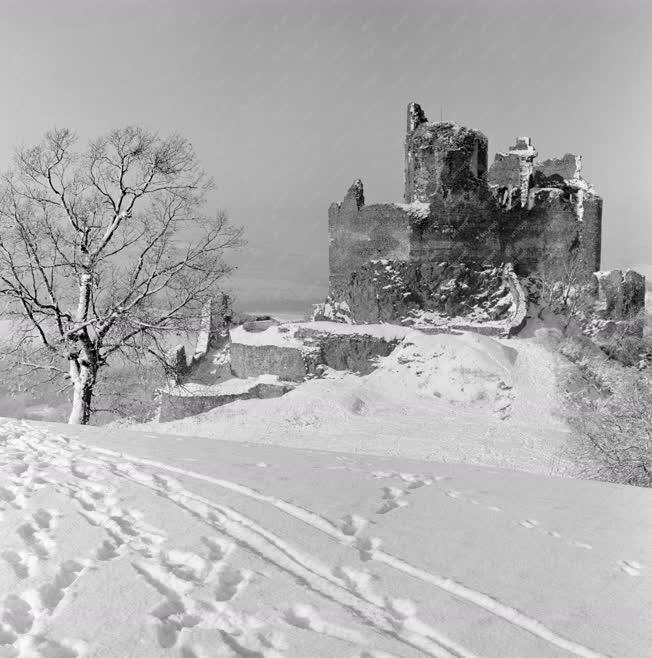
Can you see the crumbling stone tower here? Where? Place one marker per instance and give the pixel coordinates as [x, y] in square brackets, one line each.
[441, 158]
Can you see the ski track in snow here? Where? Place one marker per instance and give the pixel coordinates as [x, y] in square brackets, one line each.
[196, 589]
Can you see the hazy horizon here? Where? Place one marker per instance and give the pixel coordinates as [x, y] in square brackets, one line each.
[288, 102]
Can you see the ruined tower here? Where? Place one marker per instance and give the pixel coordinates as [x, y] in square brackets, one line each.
[441, 158]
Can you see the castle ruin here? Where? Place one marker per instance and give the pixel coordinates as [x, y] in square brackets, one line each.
[465, 232]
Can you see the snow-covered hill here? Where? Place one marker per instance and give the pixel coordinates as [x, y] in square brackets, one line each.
[446, 397]
[117, 543]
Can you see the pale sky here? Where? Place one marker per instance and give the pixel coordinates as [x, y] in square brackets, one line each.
[288, 102]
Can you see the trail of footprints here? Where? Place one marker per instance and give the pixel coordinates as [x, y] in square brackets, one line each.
[394, 497]
[196, 589]
[179, 610]
[24, 616]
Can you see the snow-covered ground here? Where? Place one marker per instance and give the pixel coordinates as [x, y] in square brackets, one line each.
[444, 397]
[117, 543]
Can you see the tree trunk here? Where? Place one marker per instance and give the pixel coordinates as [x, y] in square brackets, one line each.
[83, 364]
[83, 376]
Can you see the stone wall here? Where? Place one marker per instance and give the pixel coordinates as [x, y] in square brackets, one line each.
[306, 351]
[212, 334]
[355, 352]
[360, 233]
[287, 363]
[173, 405]
[547, 236]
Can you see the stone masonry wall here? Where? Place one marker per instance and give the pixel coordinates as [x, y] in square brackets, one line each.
[319, 348]
[360, 233]
[253, 360]
[173, 407]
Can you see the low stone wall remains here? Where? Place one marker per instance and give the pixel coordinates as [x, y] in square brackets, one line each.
[174, 406]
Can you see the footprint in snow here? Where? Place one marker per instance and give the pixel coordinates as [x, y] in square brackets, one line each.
[45, 519]
[107, 551]
[51, 594]
[22, 563]
[630, 567]
[218, 549]
[529, 523]
[19, 469]
[360, 582]
[367, 546]
[166, 482]
[36, 539]
[352, 524]
[83, 471]
[393, 499]
[12, 496]
[306, 617]
[40, 646]
[172, 615]
[392, 504]
[231, 583]
[185, 565]
[416, 481]
[7, 637]
[17, 614]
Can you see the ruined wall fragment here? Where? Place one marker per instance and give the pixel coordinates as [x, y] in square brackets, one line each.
[359, 234]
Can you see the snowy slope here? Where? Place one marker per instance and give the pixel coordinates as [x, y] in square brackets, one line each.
[444, 397]
[116, 543]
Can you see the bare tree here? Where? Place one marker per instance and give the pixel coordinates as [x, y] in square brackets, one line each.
[103, 250]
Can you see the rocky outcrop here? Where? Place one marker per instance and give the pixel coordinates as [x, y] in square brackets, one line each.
[619, 306]
[620, 295]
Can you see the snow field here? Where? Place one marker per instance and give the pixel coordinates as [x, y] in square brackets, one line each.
[232, 557]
